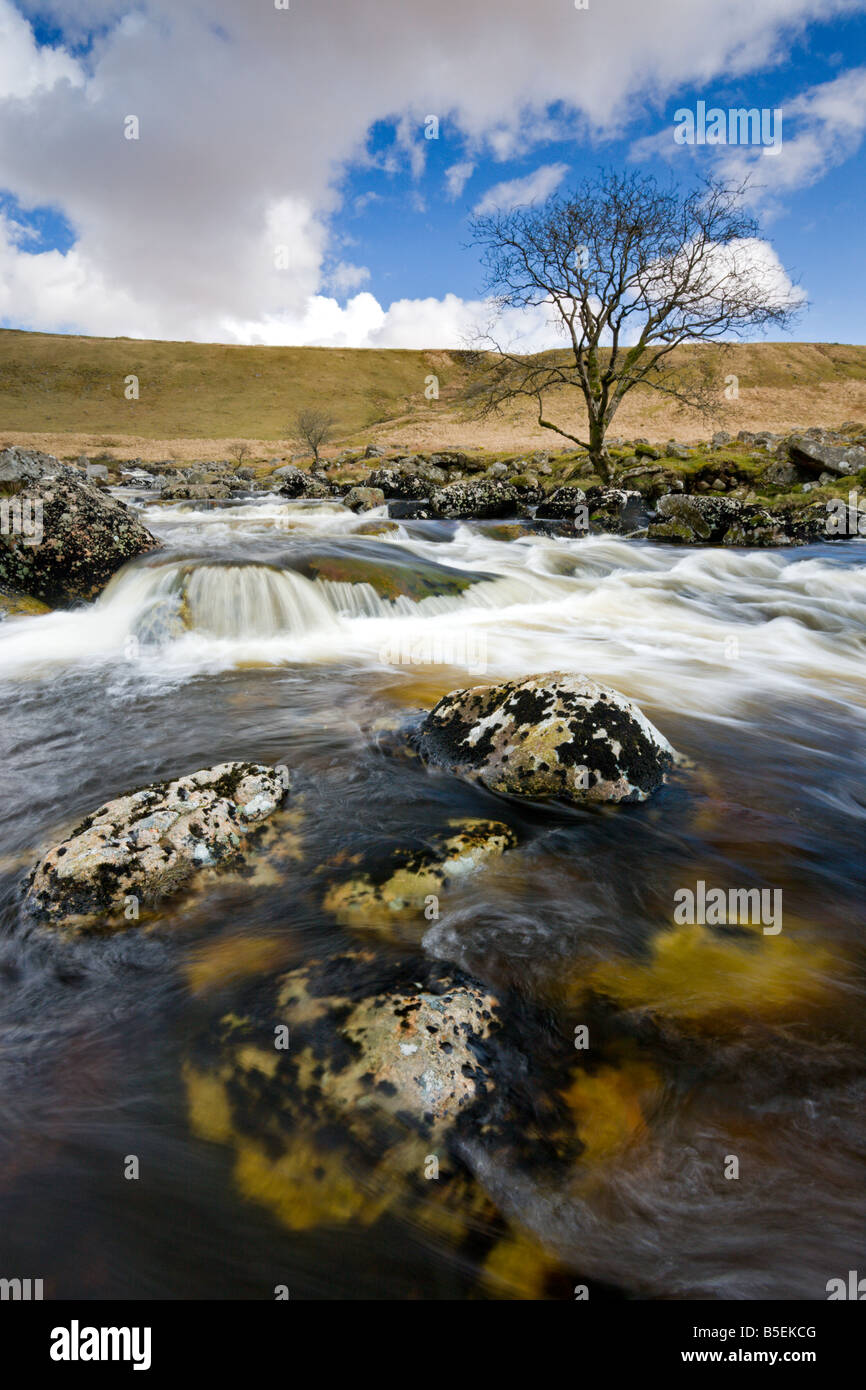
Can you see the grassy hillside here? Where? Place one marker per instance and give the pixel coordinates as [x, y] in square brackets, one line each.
[71, 389]
[69, 383]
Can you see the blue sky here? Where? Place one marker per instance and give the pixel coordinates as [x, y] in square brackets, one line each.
[306, 131]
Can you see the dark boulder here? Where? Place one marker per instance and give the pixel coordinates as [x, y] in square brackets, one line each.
[61, 538]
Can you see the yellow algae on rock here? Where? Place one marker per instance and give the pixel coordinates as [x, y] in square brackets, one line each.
[306, 1186]
[218, 963]
[402, 885]
[519, 1267]
[696, 975]
[210, 1114]
[609, 1107]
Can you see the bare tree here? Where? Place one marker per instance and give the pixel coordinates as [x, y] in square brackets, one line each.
[631, 272]
[313, 428]
[239, 451]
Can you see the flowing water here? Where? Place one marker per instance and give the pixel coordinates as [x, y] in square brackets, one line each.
[275, 632]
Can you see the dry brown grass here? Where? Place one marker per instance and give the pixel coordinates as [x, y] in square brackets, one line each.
[197, 400]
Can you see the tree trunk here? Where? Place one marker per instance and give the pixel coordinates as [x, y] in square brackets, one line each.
[598, 455]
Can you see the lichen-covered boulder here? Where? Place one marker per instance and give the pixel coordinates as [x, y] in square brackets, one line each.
[61, 537]
[364, 499]
[757, 526]
[616, 510]
[820, 455]
[300, 484]
[181, 490]
[337, 1083]
[149, 844]
[547, 737]
[692, 519]
[562, 504]
[401, 482]
[483, 497]
[397, 884]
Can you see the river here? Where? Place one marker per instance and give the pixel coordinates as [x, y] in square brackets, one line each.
[243, 639]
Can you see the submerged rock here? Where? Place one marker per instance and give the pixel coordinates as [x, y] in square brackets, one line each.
[147, 845]
[376, 528]
[552, 736]
[61, 538]
[392, 572]
[335, 1120]
[20, 606]
[397, 885]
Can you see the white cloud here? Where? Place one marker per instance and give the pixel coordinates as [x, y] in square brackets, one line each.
[820, 128]
[457, 177]
[250, 117]
[26, 68]
[515, 193]
[345, 277]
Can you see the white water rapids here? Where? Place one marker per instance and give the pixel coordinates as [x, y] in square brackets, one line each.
[706, 632]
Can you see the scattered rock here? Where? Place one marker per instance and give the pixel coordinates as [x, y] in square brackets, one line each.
[302, 484]
[819, 456]
[783, 472]
[400, 483]
[551, 736]
[364, 499]
[150, 843]
[562, 504]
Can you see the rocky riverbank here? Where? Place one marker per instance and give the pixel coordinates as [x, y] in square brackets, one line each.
[754, 490]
